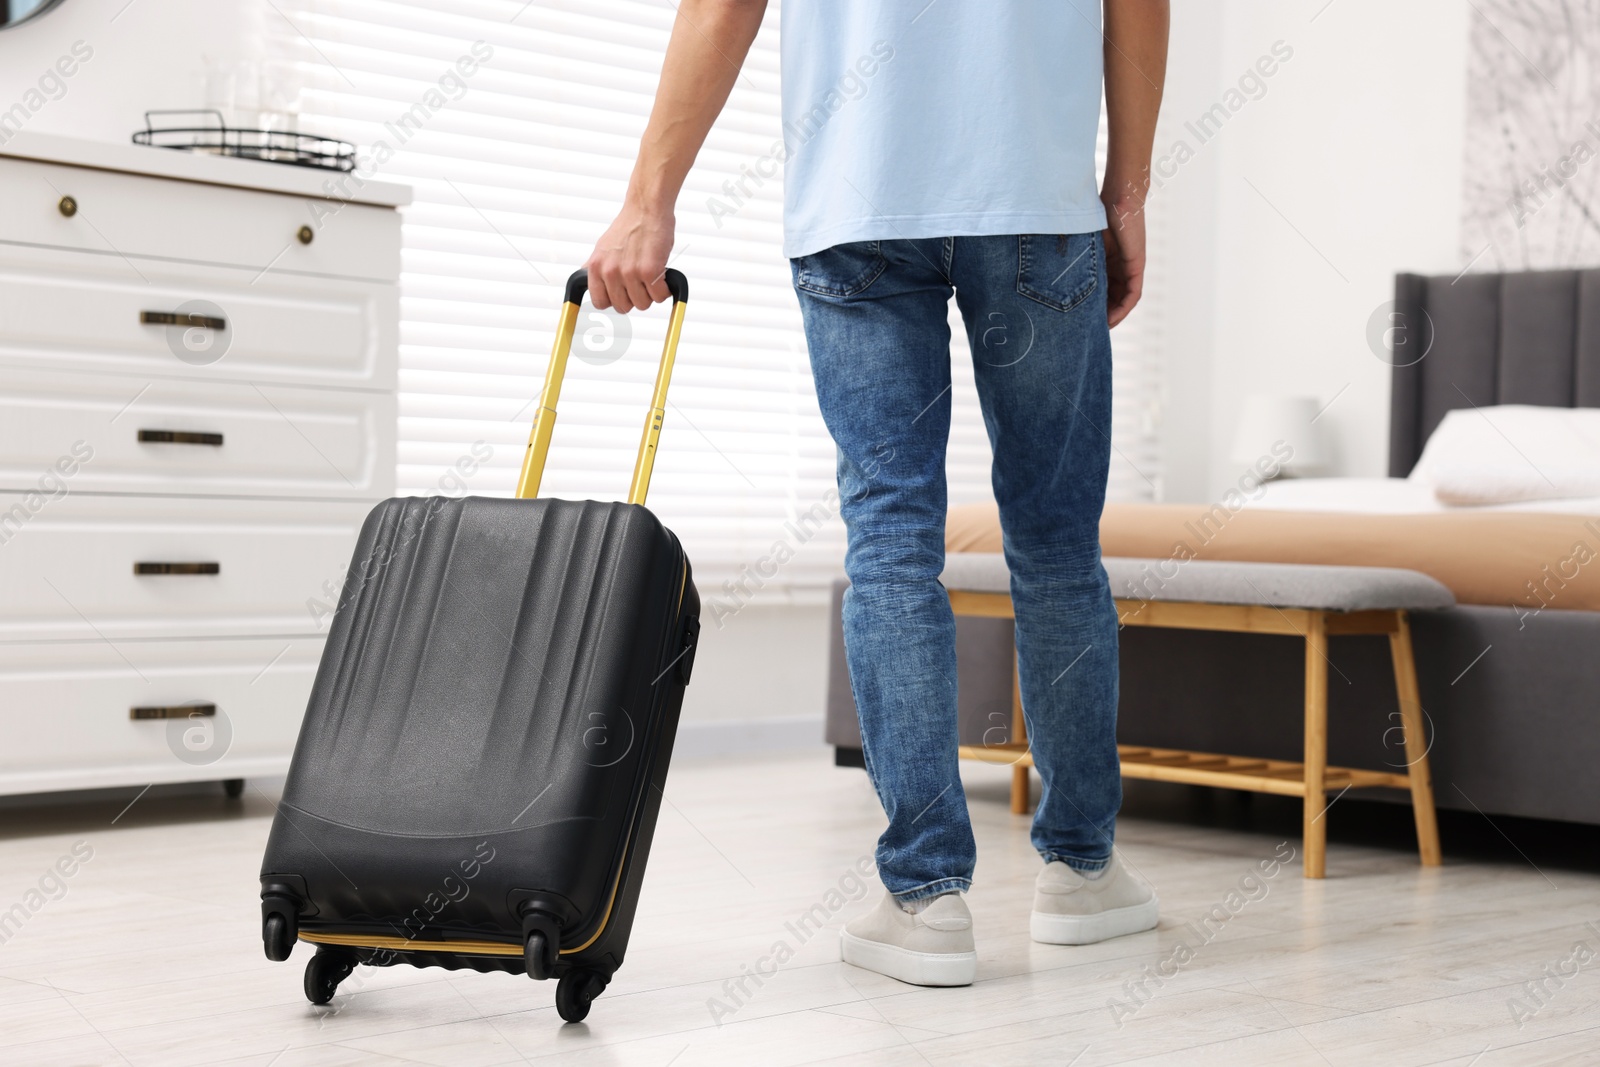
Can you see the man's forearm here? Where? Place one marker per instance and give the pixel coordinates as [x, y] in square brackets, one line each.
[1135, 71]
[710, 39]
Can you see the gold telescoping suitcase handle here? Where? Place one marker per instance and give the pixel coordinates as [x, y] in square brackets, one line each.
[544, 420]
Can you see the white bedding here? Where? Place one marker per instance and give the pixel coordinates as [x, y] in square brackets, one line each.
[1512, 453]
[1510, 457]
[1389, 496]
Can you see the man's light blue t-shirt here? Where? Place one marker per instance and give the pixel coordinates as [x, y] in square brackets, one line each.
[904, 118]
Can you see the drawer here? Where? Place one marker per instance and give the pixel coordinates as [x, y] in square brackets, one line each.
[80, 311]
[65, 709]
[67, 566]
[169, 436]
[131, 215]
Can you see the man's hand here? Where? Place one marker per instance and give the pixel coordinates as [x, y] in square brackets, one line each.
[1124, 238]
[710, 38]
[627, 269]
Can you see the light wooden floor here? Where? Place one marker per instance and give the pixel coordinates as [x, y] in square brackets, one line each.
[153, 955]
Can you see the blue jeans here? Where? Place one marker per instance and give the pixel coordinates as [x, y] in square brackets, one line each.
[876, 321]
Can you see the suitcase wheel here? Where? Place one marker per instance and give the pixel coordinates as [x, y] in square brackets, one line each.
[324, 972]
[576, 991]
[541, 946]
[277, 938]
[537, 956]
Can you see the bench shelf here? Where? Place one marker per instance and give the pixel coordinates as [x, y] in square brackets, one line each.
[1284, 777]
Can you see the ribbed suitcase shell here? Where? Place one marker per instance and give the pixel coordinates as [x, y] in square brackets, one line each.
[491, 723]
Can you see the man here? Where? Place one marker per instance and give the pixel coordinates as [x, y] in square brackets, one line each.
[936, 149]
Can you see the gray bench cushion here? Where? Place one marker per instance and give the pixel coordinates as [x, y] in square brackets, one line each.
[1282, 585]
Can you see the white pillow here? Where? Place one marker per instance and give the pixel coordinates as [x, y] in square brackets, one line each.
[1512, 452]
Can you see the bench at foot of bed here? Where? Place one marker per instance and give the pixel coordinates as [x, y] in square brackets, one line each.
[1314, 603]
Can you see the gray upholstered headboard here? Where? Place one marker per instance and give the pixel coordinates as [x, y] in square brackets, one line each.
[1525, 338]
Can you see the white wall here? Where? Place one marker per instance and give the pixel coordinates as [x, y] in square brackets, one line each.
[147, 54]
[1357, 144]
[767, 661]
[760, 681]
[1183, 210]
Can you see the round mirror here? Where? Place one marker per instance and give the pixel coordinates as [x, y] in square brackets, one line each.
[13, 12]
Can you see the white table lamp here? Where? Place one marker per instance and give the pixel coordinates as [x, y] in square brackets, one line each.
[1267, 420]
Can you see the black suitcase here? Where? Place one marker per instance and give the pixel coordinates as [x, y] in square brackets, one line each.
[478, 775]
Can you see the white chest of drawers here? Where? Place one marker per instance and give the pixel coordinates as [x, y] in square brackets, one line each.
[197, 410]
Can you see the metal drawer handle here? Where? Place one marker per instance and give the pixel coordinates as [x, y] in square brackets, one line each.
[179, 437]
[177, 568]
[173, 711]
[173, 318]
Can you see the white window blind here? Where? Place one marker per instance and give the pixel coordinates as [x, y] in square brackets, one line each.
[517, 168]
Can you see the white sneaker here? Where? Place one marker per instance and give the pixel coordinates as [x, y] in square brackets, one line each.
[932, 947]
[1069, 909]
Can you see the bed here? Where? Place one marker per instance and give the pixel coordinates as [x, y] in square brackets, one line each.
[1510, 679]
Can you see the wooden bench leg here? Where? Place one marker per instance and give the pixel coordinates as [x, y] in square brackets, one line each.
[1019, 790]
[1411, 721]
[1314, 832]
[1019, 733]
